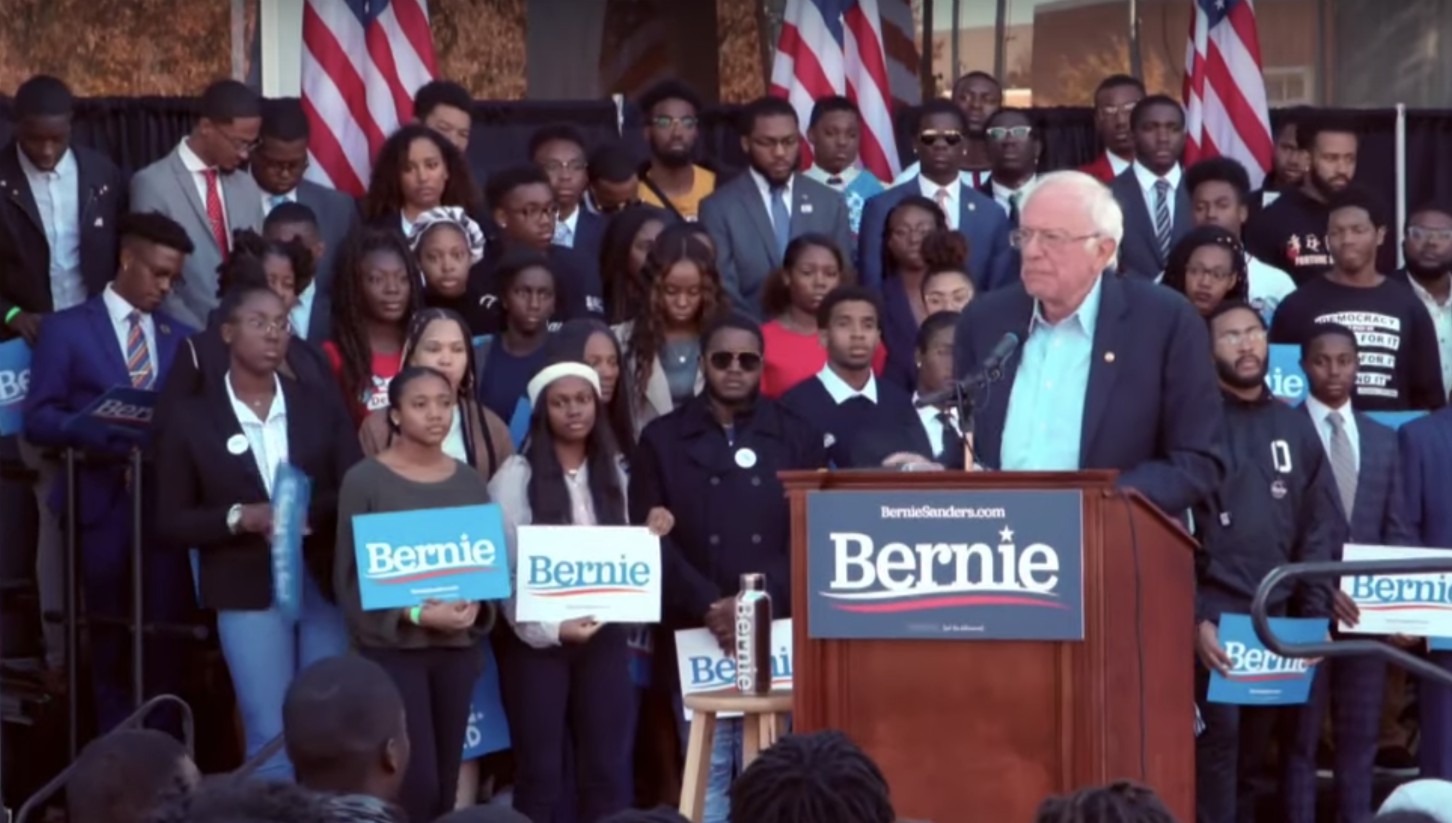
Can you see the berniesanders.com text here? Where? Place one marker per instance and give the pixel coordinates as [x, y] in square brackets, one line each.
[943, 513]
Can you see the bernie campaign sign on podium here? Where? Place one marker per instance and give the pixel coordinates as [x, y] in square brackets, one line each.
[704, 667]
[947, 565]
[123, 410]
[1258, 676]
[406, 558]
[610, 573]
[1414, 604]
[291, 494]
[14, 384]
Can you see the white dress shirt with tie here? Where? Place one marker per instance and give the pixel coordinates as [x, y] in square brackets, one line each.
[933, 425]
[565, 228]
[764, 189]
[57, 198]
[198, 168]
[1147, 181]
[945, 196]
[119, 310]
[1319, 412]
[1007, 197]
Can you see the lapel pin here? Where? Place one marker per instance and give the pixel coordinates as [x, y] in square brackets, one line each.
[972, 207]
[237, 444]
[1109, 357]
[163, 328]
[100, 221]
[806, 208]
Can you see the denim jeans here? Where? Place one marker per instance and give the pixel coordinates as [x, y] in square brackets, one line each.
[725, 763]
[264, 651]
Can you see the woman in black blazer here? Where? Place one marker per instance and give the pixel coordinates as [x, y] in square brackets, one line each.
[216, 463]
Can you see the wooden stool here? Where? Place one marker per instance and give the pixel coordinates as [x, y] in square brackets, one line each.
[762, 719]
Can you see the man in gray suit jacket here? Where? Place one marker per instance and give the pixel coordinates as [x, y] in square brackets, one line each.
[753, 217]
[277, 166]
[1151, 192]
[196, 185]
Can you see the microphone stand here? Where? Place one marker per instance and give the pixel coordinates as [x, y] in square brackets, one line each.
[963, 403]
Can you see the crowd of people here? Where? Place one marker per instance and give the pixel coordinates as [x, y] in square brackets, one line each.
[585, 340]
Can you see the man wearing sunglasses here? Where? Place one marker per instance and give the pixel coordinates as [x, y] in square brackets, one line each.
[1014, 147]
[1151, 191]
[940, 135]
[672, 123]
[978, 95]
[1428, 252]
[195, 186]
[713, 463]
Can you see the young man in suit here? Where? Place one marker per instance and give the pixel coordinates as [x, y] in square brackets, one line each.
[58, 210]
[278, 165]
[196, 185]
[1363, 461]
[940, 132]
[752, 218]
[1090, 339]
[117, 338]
[1114, 99]
[1150, 192]
[835, 132]
[978, 95]
[1015, 145]
[559, 151]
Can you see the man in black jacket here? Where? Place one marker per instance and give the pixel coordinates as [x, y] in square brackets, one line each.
[1276, 505]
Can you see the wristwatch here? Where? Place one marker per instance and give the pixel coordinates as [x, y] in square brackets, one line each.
[234, 517]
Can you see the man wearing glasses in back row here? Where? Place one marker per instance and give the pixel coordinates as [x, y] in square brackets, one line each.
[1427, 249]
[672, 122]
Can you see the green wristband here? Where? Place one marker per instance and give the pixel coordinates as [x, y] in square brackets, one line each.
[12, 314]
[414, 614]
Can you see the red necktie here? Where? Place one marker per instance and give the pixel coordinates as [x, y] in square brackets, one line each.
[214, 211]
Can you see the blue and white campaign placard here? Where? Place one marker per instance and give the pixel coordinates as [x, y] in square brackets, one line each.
[1395, 420]
[488, 729]
[406, 558]
[946, 565]
[121, 410]
[705, 668]
[1414, 604]
[1283, 374]
[1258, 676]
[14, 384]
[610, 573]
[291, 494]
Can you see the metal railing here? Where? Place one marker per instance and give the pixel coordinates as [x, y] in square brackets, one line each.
[1346, 647]
[266, 753]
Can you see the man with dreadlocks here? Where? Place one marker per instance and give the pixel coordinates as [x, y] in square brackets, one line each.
[821, 777]
[1118, 802]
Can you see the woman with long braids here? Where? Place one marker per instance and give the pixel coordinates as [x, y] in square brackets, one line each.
[591, 342]
[376, 291]
[571, 677]
[417, 170]
[628, 239]
[662, 346]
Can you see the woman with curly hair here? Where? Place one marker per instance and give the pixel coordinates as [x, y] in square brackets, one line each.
[906, 251]
[376, 290]
[417, 170]
[628, 239]
[662, 346]
[947, 286]
[1208, 267]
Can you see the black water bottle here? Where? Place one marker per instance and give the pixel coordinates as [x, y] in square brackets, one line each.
[753, 636]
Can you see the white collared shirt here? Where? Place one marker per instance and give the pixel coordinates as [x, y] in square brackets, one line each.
[934, 427]
[565, 228]
[1319, 411]
[764, 188]
[267, 437]
[930, 189]
[1147, 181]
[1442, 321]
[840, 392]
[198, 169]
[972, 179]
[1267, 286]
[119, 310]
[57, 198]
[844, 178]
[1004, 195]
[1117, 164]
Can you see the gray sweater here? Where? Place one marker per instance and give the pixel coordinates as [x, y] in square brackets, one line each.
[371, 487]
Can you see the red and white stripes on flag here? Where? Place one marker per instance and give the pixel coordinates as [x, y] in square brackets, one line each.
[1225, 107]
[362, 61]
[832, 47]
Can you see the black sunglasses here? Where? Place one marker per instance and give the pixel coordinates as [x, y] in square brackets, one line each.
[930, 137]
[722, 360]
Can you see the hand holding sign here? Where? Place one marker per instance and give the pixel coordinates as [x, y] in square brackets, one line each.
[579, 630]
[660, 521]
[256, 519]
[448, 616]
[721, 621]
[1207, 645]
[1344, 608]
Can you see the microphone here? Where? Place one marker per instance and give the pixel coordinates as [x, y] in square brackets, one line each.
[990, 371]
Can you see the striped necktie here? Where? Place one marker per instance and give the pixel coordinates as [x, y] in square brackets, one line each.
[1162, 218]
[138, 354]
[1343, 462]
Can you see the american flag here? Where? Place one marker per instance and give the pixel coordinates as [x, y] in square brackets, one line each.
[1225, 108]
[836, 47]
[362, 62]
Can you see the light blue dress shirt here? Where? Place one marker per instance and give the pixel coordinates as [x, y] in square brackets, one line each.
[1045, 420]
[57, 198]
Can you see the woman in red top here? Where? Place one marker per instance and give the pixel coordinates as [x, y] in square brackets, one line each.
[812, 267]
[376, 291]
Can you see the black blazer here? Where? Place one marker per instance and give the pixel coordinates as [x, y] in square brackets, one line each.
[24, 252]
[199, 480]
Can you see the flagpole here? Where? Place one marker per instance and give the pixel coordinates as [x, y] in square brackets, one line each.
[1136, 62]
[1401, 173]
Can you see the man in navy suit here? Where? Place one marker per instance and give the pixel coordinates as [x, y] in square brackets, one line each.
[1362, 456]
[1092, 340]
[1151, 191]
[117, 338]
[559, 151]
[940, 133]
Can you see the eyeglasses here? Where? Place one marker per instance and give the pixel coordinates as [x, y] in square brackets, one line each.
[1051, 239]
[1218, 275]
[951, 137]
[1421, 235]
[533, 212]
[241, 144]
[664, 122]
[1235, 338]
[1001, 133]
[257, 324]
[555, 166]
[722, 360]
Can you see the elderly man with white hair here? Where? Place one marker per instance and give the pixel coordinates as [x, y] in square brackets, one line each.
[1110, 373]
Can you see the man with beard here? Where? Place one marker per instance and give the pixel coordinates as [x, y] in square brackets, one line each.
[1288, 169]
[672, 122]
[1428, 252]
[1291, 232]
[978, 95]
[1400, 365]
[713, 462]
[1151, 191]
[752, 218]
[1114, 100]
[1276, 505]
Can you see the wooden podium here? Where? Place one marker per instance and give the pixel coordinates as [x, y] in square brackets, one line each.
[985, 730]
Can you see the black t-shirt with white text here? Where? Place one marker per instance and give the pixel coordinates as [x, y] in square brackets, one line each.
[1290, 234]
[1401, 367]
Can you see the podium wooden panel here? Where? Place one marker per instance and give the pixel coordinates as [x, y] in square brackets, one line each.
[984, 730]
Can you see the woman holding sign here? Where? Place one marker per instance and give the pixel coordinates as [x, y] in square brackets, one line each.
[217, 470]
[572, 676]
[432, 650]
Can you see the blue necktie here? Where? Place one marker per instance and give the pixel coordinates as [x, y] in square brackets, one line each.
[781, 220]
